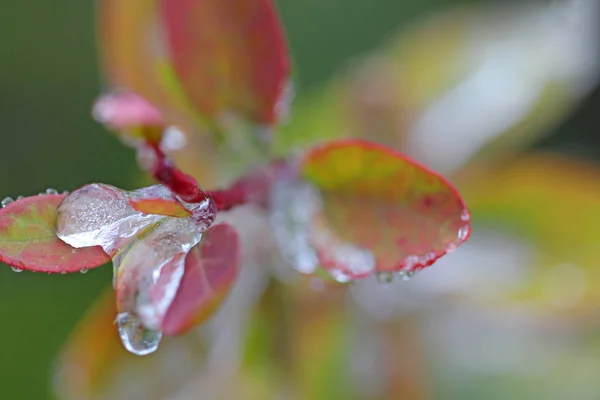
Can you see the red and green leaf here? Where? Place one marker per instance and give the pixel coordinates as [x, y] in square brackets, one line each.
[380, 201]
[160, 206]
[125, 110]
[230, 56]
[28, 240]
[197, 61]
[211, 268]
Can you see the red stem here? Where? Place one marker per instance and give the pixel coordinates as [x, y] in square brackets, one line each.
[254, 188]
[164, 171]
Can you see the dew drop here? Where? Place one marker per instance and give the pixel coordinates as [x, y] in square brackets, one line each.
[63, 272]
[51, 191]
[83, 271]
[463, 233]
[406, 275]
[173, 139]
[451, 247]
[15, 269]
[465, 216]
[20, 197]
[384, 277]
[135, 337]
[6, 201]
[74, 251]
[340, 277]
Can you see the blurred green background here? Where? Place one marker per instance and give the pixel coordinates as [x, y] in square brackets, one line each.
[48, 79]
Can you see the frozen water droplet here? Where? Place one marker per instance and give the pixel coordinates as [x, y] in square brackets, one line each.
[51, 191]
[150, 270]
[6, 201]
[173, 139]
[465, 216]
[450, 247]
[384, 277]
[463, 233]
[100, 215]
[406, 275]
[340, 276]
[83, 271]
[15, 269]
[294, 205]
[135, 337]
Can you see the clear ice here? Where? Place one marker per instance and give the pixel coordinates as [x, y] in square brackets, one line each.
[295, 205]
[136, 338]
[148, 252]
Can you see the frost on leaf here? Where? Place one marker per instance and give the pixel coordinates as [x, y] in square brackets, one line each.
[358, 209]
[28, 240]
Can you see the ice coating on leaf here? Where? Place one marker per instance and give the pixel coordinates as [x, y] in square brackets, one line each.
[148, 271]
[211, 268]
[376, 212]
[136, 338]
[100, 215]
[28, 240]
[294, 204]
[148, 250]
[158, 199]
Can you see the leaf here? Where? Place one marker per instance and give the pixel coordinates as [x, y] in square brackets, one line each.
[230, 56]
[211, 268]
[123, 111]
[28, 240]
[134, 56]
[159, 206]
[198, 62]
[379, 211]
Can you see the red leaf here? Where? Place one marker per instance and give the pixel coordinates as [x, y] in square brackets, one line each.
[230, 56]
[380, 211]
[28, 241]
[211, 268]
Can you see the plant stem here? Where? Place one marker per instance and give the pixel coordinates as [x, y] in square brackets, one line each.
[254, 188]
[182, 184]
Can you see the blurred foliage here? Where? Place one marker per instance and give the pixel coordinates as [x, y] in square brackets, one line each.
[48, 80]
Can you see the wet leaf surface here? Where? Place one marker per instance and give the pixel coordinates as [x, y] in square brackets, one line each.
[28, 239]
